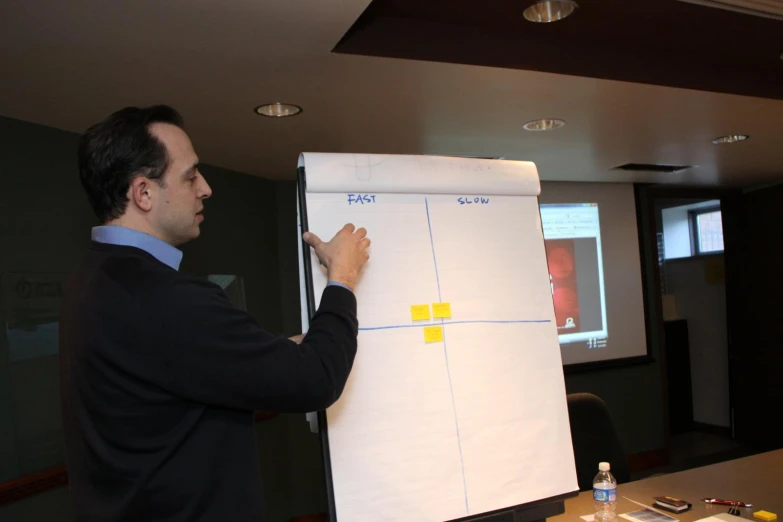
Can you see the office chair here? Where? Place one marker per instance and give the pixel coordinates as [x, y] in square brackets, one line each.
[594, 439]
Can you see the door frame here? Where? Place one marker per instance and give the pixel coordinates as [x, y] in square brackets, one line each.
[646, 196]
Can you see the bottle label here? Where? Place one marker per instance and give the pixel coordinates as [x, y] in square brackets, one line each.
[605, 495]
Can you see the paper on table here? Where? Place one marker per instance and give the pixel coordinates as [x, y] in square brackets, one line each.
[645, 506]
[721, 517]
[648, 515]
[587, 518]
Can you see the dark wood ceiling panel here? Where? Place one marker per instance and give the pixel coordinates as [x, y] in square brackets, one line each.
[660, 42]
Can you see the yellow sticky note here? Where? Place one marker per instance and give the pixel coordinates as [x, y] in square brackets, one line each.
[441, 310]
[433, 334]
[420, 312]
[765, 515]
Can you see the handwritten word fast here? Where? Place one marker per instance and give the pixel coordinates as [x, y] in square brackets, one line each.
[360, 199]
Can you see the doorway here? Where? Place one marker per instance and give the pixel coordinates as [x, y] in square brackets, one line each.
[691, 267]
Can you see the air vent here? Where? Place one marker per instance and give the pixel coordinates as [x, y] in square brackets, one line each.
[651, 167]
[765, 8]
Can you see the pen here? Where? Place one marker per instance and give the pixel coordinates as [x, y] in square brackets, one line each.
[721, 502]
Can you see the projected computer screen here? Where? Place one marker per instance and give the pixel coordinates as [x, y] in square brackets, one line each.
[572, 235]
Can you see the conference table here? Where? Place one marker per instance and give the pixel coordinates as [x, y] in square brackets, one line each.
[757, 480]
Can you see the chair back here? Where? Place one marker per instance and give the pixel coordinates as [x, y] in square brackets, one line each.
[594, 439]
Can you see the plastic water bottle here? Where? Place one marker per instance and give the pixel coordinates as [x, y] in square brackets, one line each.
[604, 494]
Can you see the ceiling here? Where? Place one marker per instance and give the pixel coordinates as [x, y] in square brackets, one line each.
[69, 64]
[660, 42]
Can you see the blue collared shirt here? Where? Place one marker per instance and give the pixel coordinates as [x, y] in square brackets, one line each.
[157, 248]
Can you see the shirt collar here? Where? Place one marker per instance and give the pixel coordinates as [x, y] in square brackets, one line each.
[159, 249]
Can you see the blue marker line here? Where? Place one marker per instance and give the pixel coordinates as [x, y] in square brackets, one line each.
[448, 370]
[444, 323]
[432, 244]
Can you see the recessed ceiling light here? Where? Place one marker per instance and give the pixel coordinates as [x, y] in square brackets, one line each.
[543, 125]
[545, 11]
[733, 138]
[278, 110]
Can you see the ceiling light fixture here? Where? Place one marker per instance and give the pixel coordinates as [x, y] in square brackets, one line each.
[545, 11]
[732, 138]
[543, 125]
[278, 110]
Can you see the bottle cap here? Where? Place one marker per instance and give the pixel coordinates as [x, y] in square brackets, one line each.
[604, 466]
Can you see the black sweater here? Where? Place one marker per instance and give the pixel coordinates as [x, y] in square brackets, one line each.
[160, 375]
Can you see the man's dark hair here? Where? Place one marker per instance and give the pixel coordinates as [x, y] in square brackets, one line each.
[114, 152]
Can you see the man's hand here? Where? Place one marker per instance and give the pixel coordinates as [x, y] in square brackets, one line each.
[297, 338]
[343, 256]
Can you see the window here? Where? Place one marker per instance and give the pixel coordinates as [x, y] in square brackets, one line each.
[707, 231]
[691, 228]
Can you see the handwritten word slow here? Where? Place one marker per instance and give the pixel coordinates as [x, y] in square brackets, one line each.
[466, 200]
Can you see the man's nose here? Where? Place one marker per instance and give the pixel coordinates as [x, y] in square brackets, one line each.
[205, 190]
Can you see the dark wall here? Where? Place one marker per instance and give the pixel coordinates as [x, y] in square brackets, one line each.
[754, 286]
[45, 216]
[239, 236]
[44, 229]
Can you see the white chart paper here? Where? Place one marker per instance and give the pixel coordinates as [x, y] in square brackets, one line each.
[432, 431]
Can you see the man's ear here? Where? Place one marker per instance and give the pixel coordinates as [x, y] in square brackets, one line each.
[141, 193]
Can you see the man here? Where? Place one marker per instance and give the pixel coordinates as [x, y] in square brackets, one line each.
[159, 372]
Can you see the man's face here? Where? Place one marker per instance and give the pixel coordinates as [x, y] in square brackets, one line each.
[176, 213]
